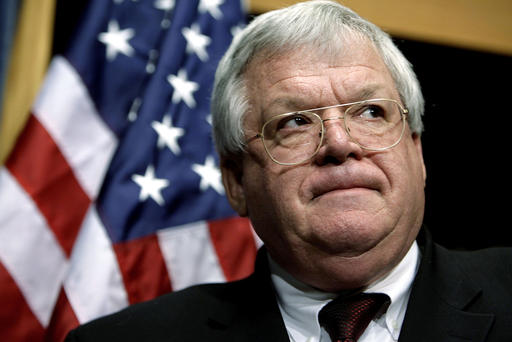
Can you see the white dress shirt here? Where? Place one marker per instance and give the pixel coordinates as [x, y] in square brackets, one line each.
[300, 304]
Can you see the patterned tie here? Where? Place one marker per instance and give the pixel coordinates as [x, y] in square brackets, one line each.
[345, 318]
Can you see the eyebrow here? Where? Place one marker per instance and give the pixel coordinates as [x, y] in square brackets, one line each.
[295, 103]
[367, 92]
[289, 102]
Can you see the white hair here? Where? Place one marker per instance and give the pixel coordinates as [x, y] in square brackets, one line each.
[321, 24]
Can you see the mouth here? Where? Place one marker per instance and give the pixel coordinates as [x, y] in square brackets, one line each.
[350, 190]
[344, 181]
[351, 193]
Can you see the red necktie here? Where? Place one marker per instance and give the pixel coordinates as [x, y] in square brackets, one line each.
[346, 318]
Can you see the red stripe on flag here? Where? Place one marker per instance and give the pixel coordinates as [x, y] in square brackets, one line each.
[235, 246]
[63, 319]
[143, 268]
[41, 169]
[17, 322]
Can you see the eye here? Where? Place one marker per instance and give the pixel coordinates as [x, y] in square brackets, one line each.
[370, 112]
[293, 121]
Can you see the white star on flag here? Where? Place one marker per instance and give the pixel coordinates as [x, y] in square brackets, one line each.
[210, 175]
[128, 126]
[167, 134]
[212, 7]
[150, 186]
[196, 42]
[164, 5]
[183, 88]
[236, 29]
[116, 40]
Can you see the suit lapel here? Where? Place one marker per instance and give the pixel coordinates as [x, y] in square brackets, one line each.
[436, 310]
[439, 298]
[264, 321]
[253, 314]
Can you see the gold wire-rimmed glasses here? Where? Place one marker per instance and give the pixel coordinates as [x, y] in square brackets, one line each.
[295, 137]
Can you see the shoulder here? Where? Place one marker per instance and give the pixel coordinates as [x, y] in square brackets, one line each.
[486, 274]
[209, 312]
[471, 288]
[480, 263]
[471, 265]
[159, 319]
[490, 268]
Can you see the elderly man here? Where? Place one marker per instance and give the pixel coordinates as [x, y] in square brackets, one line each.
[317, 119]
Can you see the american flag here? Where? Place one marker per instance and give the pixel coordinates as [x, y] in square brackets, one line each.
[112, 194]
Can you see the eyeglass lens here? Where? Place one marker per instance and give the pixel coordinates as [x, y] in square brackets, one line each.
[295, 137]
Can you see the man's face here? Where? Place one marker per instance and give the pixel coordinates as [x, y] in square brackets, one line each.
[346, 217]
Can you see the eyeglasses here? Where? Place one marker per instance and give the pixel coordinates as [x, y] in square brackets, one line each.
[293, 138]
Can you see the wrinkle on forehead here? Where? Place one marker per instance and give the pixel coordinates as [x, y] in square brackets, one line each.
[308, 91]
[330, 47]
[304, 103]
[269, 65]
[291, 81]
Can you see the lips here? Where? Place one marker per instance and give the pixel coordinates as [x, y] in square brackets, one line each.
[344, 177]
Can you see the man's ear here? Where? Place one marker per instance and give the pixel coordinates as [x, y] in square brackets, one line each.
[417, 142]
[232, 174]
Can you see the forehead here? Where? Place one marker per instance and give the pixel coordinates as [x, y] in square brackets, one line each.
[303, 78]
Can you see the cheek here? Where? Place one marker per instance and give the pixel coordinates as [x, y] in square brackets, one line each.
[405, 176]
[272, 199]
[402, 166]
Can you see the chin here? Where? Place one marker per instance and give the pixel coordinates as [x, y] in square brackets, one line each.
[349, 257]
[348, 235]
[336, 273]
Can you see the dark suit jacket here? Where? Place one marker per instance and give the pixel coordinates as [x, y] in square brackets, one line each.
[457, 296]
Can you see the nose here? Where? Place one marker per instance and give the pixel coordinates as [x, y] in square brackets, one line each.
[337, 146]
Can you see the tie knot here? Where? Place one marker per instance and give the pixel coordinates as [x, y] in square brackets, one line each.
[345, 318]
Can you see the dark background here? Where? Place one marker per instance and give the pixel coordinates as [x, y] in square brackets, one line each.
[466, 140]
[466, 143]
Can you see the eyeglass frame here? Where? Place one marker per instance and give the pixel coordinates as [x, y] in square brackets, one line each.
[404, 113]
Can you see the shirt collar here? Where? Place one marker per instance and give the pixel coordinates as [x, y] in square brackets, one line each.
[300, 303]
